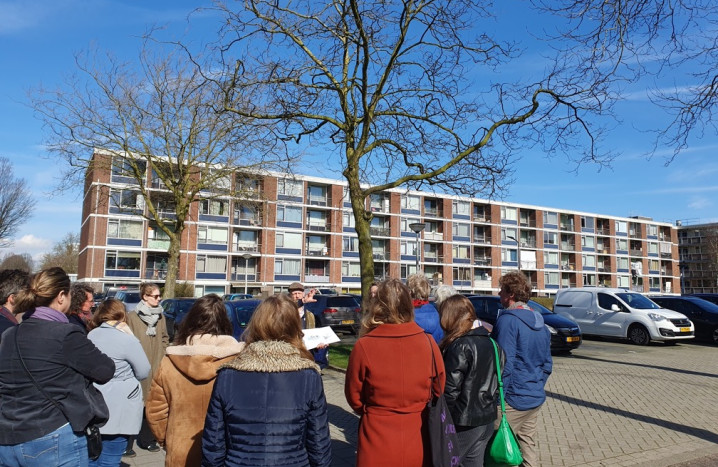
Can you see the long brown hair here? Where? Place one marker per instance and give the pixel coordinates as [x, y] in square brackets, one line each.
[457, 317]
[109, 310]
[207, 316]
[42, 289]
[277, 319]
[392, 305]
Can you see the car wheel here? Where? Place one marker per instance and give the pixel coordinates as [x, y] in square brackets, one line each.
[638, 335]
[714, 336]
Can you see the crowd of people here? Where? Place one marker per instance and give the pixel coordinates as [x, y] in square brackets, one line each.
[210, 400]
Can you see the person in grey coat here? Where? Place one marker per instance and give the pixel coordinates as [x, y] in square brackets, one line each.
[123, 393]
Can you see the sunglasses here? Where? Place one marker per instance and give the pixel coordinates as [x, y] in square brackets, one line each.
[153, 296]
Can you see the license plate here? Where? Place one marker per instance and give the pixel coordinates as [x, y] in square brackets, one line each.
[685, 329]
[573, 339]
[348, 321]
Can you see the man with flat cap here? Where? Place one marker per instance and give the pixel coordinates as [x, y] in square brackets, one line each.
[296, 291]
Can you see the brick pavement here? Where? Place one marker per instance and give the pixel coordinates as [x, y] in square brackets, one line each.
[609, 404]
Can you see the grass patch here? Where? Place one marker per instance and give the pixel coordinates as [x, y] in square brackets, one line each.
[339, 355]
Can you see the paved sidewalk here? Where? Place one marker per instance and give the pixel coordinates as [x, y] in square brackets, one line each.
[609, 404]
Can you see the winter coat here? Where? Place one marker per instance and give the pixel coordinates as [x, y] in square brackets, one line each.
[180, 394]
[522, 335]
[154, 346]
[123, 394]
[7, 320]
[388, 385]
[427, 317]
[64, 363]
[267, 409]
[472, 384]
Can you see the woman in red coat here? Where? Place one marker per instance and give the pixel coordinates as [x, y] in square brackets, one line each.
[388, 381]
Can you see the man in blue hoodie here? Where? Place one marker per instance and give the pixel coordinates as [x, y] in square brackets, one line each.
[521, 333]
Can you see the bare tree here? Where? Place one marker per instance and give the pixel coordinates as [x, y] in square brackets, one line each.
[16, 202]
[391, 88]
[64, 254]
[23, 262]
[160, 127]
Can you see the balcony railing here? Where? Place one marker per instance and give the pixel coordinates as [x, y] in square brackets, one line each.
[568, 227]
[317, 200]
[321, 251]
[380, 231]
[635, 252]
[319, 227]
[379, 255]
[568, 266]
[438, 236]
[431, 211]
[568, 246]
[529, 243]
[152, 273]
[603, 231]
[482, 261]
[315, 278]
[237, 247]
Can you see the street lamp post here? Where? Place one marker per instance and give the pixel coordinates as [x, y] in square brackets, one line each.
[246, 257]
[417, 227]
[518, 250]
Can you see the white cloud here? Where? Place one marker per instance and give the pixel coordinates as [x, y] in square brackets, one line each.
[36, 247]
[699, 203]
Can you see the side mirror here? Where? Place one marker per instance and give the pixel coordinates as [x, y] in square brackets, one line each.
[615, 307]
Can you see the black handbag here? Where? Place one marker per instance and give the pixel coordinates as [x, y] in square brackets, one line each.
[92, 431]
[442, 431]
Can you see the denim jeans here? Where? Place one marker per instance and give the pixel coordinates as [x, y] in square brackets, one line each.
[112, 448]
[62, 447]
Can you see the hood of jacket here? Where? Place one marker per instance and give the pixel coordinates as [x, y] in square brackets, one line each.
[531, 318]
[200, 358]
[270, 357]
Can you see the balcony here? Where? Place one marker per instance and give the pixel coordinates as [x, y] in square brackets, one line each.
[482, 283]
[317, 251]
[161, 244]
[568, 246]
[568, 227]
[603, 231]
[155, 274]
[315, 200]
[433, 258]
[528, 243]
[319, 227]
[482, 261]
[380, 255]
[435, 236]
[431, 211]
[635, 252]
[250, 221]
[380, 231]
[482, 239]
[568, 266]
[316, 278]
[245, 247]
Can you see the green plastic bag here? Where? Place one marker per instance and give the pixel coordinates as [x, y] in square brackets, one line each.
[503, 449]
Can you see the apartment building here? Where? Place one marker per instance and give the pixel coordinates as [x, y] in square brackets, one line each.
[698, 256]
[300, 228]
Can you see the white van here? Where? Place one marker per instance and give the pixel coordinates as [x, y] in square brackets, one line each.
[620, 313]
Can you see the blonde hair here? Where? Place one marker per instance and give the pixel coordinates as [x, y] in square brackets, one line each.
[277, 319]
[419, 286]
[42, 289]
[392, 305]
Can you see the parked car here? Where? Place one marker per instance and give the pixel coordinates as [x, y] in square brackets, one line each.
[565, 333]
[236, 296]
[321, 291]
[711, 297]
[620, 313]
[174, 310]
[130, 297]
[240, 312]
[702, 313]
[338, 311]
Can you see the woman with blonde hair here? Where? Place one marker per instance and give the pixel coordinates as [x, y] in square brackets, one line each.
[47, 368]
[388, 381]
[471, 390]
[123, 394]
[268, 406]
[182, 386]
[425, 313]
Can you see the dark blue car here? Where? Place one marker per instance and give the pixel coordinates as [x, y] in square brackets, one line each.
[565, 334]
[174, 310]
[240, 312]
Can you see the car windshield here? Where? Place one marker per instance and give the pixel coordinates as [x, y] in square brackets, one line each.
[540, 308]
[637, 301]
[183, 306]
[339, 302]
[132, 297]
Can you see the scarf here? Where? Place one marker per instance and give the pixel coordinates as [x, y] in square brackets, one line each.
[418, 303]
[120, 326]
[149, 316]
[49, 314]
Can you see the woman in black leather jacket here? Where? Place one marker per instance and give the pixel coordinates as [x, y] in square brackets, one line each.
[471, 390]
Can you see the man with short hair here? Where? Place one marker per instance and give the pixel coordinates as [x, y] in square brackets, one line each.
[11, 282]
[296, 291]
[521, 333]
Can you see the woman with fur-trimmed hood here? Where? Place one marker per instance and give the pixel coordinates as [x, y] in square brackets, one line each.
[182, 386]
[268, 406]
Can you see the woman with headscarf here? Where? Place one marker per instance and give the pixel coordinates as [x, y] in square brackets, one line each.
[148, 324]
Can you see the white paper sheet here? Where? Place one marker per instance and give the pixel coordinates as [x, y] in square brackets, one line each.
[316, 336]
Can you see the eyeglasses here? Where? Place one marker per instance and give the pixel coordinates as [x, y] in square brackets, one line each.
[153, 296]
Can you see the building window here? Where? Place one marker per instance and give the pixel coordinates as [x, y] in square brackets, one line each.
[622, 227]
[245, 238]
[652, 248]
[550, 238]
[405, 221]
[460, 251]
[508, 254]
[213, 235]
[289, 267]
[551, 278]
[408, 248]
[622, 263]
[122, 167]
[623, 282]
[212, 264]
[289, 240]
[288, 187]
[587, 222]
[122, 260]
[350, 244]
[214, 207]
[622, 244]
[550, 257]
[508, 234]
[461, 230]
[509, 214]
[122, 228]
[588, 241]
[410, 202]
[350, 269]
[348, 219]
[589, 261]
[462, 274]
[550, 218]
[462, 208]
[289, 214]
[652, 230]
[127, 199]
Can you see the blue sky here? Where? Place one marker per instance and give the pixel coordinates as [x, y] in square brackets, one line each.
[38, 40]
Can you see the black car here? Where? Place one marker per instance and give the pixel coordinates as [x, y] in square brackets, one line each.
[338, 311]
[703, 313]
[711, 297]
[240, 312]
[174, 310]
[565, 334]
